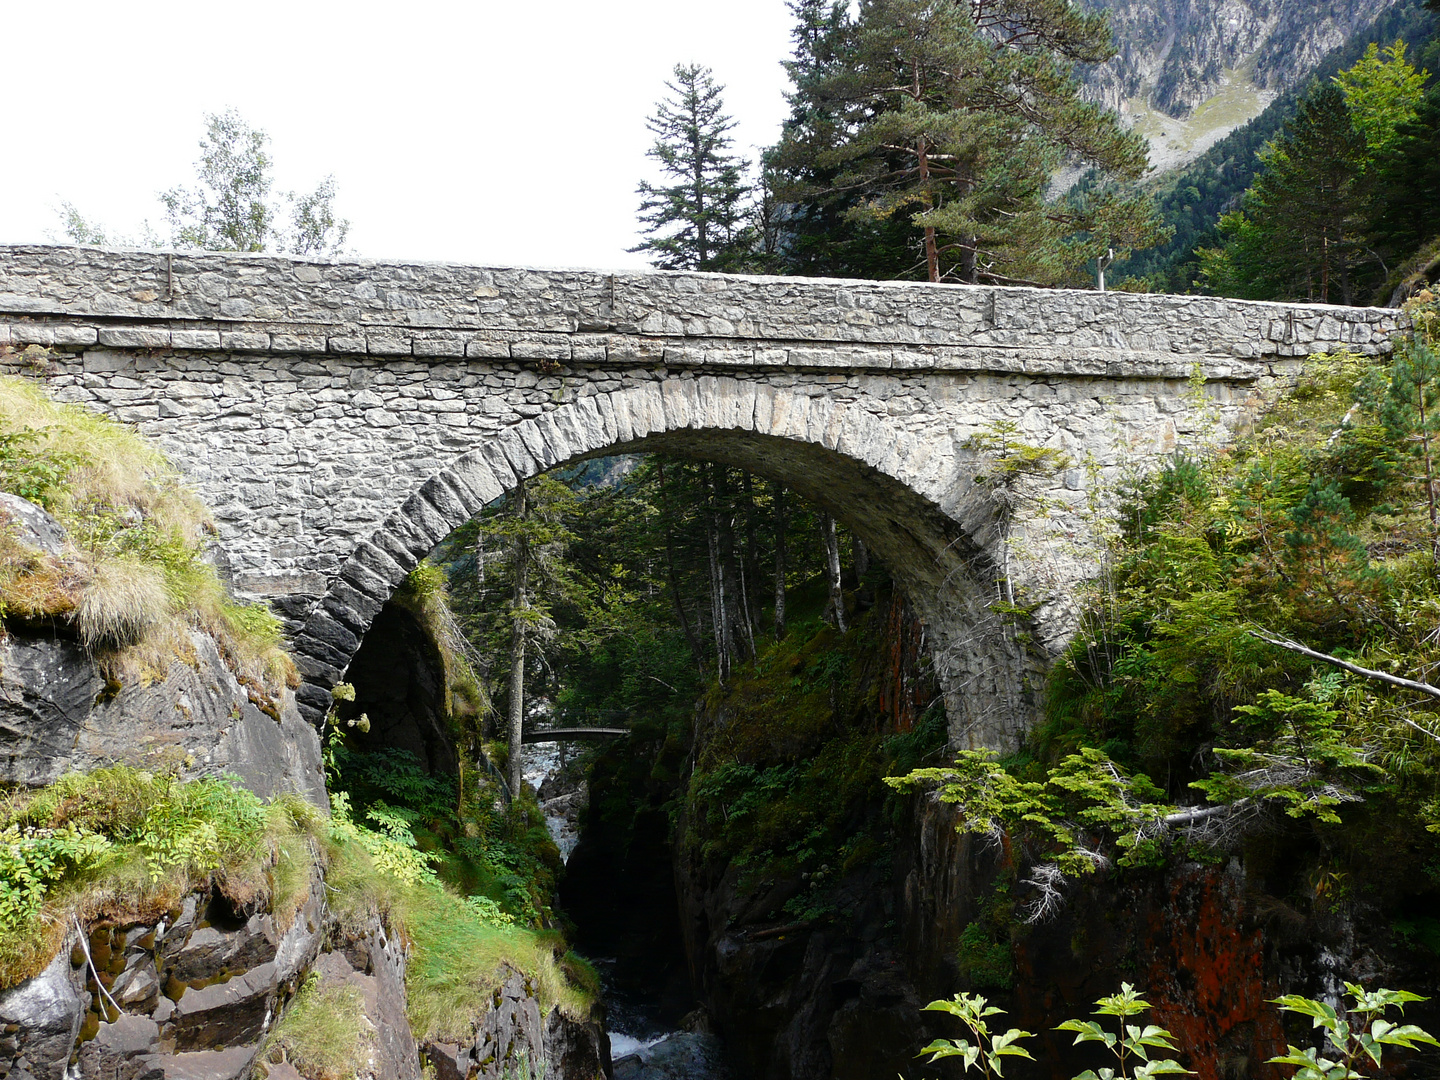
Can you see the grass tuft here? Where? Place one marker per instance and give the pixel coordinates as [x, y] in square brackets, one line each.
[122, 603]
[133, 582]
[323, 1034]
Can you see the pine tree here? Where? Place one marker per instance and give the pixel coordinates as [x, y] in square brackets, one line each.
[699, 221]
[1301, 232]
[951, 117]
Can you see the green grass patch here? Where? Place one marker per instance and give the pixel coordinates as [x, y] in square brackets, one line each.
[323, 1034]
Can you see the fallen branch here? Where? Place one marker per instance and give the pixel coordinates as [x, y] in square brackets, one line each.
[1355, 669]
[1193, 814]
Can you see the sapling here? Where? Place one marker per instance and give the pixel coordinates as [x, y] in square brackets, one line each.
[989, 1051]
[1347, 1034]
[1132, 1045]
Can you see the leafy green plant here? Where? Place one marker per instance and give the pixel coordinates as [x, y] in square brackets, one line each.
[1131, 1044]
[989, 1051]
[1359, 1034]
[32, 860]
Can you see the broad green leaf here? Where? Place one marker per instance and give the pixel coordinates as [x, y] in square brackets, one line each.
[1162, 1066]
[1322, 1014]
[1087, 1031]
[1406, 1035]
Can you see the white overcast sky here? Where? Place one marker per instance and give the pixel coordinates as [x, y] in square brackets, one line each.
[495, 131]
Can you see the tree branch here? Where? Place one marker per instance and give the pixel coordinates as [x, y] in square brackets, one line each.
[1356, 669]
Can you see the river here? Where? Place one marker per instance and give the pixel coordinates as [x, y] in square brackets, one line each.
[641, 1046]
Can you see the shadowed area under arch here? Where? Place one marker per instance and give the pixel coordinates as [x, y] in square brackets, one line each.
[938, 542]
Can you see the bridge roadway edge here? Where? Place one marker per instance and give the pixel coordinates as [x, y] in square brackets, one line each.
[278, 385]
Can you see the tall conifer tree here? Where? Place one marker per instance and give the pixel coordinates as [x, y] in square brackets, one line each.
[697, 222]
[951, 117]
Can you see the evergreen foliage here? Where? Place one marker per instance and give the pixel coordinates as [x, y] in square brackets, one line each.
[1301, 231]
[699, 220]
[951, 118]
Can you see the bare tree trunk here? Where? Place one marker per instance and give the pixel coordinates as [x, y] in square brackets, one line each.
[862, 558]
[779, 562]
[737, 617]
[751, 562]
[832, 562]
[691, 637]
[519, 627]
[719, 610]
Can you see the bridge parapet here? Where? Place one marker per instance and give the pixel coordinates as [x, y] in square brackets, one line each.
[255, 304]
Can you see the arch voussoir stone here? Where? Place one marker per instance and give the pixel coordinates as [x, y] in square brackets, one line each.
[542, 449]
[513, 444]
[429, 521]
[440, 494]
[352, 607]
[402, 540]
[856, 394]
[380, 566]
[473, 473]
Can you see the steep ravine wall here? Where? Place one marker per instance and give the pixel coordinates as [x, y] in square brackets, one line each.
[1211, 946]
[191, 992]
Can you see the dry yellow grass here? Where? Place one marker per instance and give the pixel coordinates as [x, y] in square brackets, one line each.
[123, 601]
[132, 582]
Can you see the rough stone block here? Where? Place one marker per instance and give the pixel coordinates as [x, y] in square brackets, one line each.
[120, 337]
[445, 499]
[244, 341]
[298, 343]
[484, 348]
[350, 606]
[426, 518]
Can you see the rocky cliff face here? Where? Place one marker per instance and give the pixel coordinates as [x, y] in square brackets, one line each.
[59, 715]
[1175, 54]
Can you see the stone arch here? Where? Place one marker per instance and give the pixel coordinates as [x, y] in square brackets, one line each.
[935, 530]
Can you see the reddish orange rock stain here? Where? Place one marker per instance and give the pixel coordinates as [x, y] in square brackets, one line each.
[1205, 979]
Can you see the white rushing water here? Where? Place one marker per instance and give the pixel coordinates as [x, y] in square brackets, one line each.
[539, 762]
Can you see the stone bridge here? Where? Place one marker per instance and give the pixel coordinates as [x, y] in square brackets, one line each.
[341, 418]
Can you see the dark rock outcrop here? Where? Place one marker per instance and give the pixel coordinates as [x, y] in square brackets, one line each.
[57, 715]
[514, 1039]
[41, 1018]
